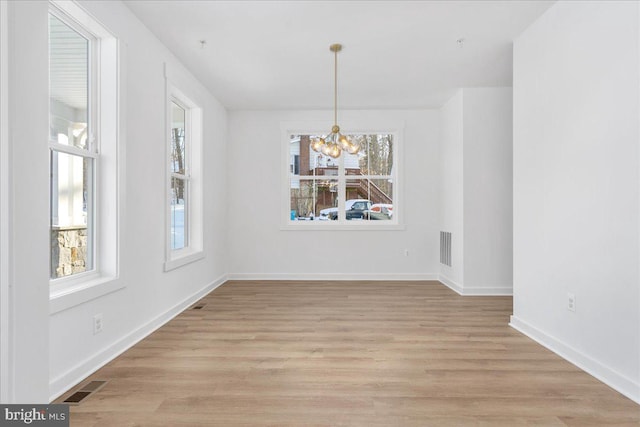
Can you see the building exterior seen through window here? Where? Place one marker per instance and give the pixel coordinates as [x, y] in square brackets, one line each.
[72, 149]
[353, 187]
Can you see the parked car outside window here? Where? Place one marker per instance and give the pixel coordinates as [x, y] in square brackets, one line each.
[328, 214]
[384, 208]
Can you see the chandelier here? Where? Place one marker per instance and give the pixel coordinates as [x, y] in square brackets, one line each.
[335, 143]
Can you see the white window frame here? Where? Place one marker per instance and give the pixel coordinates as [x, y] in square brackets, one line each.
[350, 128]
[66, 292]
[91, 151]
[194, 233]
[186, 176]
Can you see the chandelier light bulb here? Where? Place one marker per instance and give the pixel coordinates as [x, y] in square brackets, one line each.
[353, 149]
[317, 144]
[344, 142]
[335, 151]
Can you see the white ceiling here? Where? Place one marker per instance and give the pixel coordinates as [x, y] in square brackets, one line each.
[396, 54]
[68, 57]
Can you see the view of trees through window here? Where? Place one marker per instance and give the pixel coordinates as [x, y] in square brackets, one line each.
[179, 178]
[362, 184]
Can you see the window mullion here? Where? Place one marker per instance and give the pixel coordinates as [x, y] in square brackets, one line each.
[342, 191]
[176, 175]
[70, 149]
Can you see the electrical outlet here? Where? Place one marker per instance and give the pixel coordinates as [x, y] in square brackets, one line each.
[406, 252]
[97, 323]
[571, 302]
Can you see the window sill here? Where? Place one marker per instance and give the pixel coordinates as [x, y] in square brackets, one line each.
[81, 292]
[183, 259]
[331, 226]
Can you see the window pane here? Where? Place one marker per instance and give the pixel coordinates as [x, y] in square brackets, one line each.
[313, 199]
[376, 154]
[305, 161]
[71, 214]
[179, 198]
[369, 199]
[68, 85]
[178, 159]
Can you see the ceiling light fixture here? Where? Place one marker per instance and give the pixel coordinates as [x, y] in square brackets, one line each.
[333, 144]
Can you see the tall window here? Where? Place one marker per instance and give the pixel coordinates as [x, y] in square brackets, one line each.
[354, 187]
[184, 173]
[73, 147]
[83, 149]
[180, 154]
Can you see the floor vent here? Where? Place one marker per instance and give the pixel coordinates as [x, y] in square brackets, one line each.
[445, 248]
[86, 391]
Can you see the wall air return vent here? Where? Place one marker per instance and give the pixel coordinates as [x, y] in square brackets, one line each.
[445, 248]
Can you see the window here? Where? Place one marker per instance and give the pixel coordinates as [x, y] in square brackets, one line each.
[73, 148]
[184, 238]
[354, 189]
[179, 178]
[83, 150]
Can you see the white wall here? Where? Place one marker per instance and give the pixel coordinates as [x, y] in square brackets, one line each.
[5, 371]
[260, 249]
[488, 188]
[576, 187]
[54, 352]
[476, 190]
[451, 190]
[28, 202]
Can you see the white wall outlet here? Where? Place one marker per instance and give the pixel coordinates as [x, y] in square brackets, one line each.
[97, 323]
[571, 302]
[406, 252]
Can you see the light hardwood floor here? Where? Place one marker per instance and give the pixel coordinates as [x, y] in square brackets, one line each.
[346, 354]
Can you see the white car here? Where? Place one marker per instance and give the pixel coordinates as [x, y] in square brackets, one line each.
[327, 214]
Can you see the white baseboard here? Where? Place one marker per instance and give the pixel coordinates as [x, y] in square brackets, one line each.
[64, 382]
[332, 276]
[475, 291]
[626, 386]
[481, 291]
[488, 291]
[450, 284]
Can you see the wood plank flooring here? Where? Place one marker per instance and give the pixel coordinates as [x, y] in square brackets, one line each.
[346, 354]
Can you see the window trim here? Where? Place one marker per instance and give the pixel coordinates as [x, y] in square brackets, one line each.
[193, 250]
[363, 127]
[69, 291]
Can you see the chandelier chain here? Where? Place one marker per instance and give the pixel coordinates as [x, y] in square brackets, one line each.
[335, 88]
